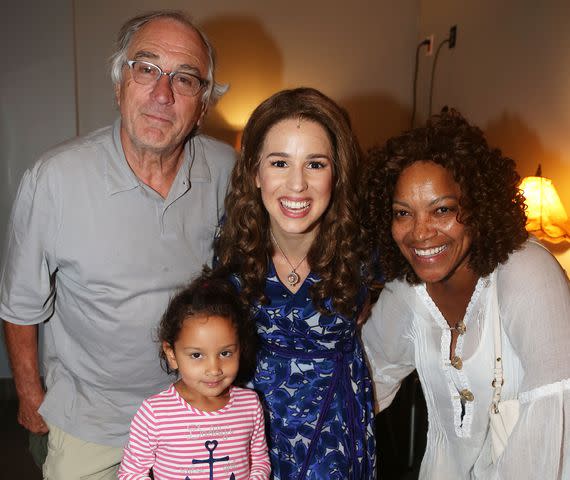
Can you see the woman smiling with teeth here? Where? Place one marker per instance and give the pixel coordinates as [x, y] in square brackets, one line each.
[425, 208]
[445, 214]
[294, 177]
[294, 244]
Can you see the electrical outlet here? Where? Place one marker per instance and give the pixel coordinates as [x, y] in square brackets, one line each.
[452, 36]
[429, 40]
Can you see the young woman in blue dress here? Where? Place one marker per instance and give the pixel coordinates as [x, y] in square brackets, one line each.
[293, 242]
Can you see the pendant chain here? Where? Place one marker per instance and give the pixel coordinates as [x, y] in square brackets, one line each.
[293, 277]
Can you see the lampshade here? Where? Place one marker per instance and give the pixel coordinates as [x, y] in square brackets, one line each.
[545, 213]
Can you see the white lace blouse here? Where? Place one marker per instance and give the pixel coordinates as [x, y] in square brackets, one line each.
[407, 331]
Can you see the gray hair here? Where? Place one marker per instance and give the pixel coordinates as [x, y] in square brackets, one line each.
[118, 59]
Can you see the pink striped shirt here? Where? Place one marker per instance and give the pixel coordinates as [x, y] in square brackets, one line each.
[181, 442]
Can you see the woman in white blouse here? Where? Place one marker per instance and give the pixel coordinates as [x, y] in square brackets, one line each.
[447, 219]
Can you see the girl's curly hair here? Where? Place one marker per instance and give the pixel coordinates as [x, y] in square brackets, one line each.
[337, 253]
[491, 204]
[211, 294]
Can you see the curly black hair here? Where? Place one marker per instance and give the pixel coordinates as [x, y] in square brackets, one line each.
[491, 205]
[211, 293]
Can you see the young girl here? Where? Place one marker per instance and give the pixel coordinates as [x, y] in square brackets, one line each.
[202, 427]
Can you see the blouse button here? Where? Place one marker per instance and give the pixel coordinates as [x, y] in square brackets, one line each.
[457, 363]
[460, 327]
[466, 395]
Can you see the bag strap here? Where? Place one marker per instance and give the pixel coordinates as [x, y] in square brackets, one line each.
[498, 380]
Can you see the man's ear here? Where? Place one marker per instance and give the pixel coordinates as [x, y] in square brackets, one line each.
[203, 112]
[117, 88]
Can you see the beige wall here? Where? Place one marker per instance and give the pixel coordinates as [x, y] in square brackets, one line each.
[509, 74]
[357, 52]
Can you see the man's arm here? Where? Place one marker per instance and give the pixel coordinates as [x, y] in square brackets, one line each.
[22, 346]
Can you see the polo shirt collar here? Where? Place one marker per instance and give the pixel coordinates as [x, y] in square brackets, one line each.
[120, 177]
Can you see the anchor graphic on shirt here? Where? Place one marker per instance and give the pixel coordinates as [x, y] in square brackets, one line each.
[211, 445]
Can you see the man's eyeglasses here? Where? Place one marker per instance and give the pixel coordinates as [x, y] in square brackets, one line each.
[183, 83]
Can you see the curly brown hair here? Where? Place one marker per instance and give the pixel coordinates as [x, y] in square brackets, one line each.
[337, 253]
[491, 204]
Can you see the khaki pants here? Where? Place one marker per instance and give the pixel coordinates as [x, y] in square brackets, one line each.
[70, 458]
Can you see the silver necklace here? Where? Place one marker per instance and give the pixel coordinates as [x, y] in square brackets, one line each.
[293, 276]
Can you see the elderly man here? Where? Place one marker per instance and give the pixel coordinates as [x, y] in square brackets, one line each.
[104, 228]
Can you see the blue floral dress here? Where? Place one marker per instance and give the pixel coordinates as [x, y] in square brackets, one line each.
[315, 387]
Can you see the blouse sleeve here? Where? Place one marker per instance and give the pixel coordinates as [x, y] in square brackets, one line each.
[534, 299]
[388, 344]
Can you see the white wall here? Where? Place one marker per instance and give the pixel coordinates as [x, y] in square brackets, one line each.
[510, 75]
[37, 93]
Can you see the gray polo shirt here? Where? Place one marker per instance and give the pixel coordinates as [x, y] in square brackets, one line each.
[114, 251]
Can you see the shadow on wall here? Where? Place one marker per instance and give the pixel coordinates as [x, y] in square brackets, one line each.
[517, 140]
[375, 118]
[249, 59]
[6, 185]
